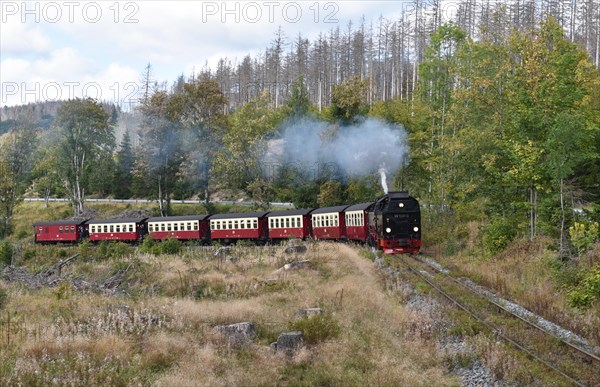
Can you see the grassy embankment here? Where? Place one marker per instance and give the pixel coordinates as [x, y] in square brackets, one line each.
[527, 272]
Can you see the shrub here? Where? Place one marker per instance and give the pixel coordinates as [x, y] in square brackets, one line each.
[583, 236]
[498, 234]
[170, 246]
[111, 250]
[587, 291]
[148, 245]
[6, 252]
[317, 328]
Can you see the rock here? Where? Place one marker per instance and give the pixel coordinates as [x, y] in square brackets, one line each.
[296, 265]
[298, 249]
[288, 343]
[309, 312]
[237, 335]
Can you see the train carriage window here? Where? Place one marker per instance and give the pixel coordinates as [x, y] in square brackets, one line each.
[181, 226]
[169, 227]
[92, 229]
[131, 228]
[195, 225]
[41, 229]
[60, 229]
[105, 228]
[111, 228]
[162, 227]
[254, 223]
[236, 224]
[175, 226]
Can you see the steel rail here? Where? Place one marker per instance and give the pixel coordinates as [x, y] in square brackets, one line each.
[494, 329]
[530, 323]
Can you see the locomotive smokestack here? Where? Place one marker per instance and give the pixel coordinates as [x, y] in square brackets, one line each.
[383, 180]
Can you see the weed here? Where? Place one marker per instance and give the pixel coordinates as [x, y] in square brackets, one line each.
[317, 328]
[3, 298]
[6, 252]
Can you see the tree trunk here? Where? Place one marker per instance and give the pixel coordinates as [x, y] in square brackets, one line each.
[532, 212]
[562, 218]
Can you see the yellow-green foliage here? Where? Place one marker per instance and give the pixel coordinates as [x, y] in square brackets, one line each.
[587, 291]
[583, 235]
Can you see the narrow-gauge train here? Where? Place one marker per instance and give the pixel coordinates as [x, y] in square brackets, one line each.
[392, 223]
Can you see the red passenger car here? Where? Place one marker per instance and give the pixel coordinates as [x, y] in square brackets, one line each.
[126, 230]
[228, 228]
[193, 227]
[357, 221]
[329, 223]
[289, 224]
[59, 231]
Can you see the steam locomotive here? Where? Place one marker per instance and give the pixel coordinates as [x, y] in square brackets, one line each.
[391, 223]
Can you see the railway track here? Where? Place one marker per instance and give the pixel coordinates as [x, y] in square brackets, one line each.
[571, 363]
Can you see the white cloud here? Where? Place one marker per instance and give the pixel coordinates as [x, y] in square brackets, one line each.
[22, 38]
[176, 37]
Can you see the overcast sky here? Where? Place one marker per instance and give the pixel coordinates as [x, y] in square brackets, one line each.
[53, 50]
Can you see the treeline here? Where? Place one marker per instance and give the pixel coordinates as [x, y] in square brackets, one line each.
[388, 52]
[504, 130]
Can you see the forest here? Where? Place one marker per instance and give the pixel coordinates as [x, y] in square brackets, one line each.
[496, 117]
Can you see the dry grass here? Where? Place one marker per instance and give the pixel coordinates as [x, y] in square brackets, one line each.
[160, 332]
[526, 273]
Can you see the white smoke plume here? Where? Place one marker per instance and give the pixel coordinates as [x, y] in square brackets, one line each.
[383, 179]
[356, 150]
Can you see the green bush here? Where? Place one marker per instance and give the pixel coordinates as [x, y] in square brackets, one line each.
[587, 291]
[498, 234]
[170, 246]
[6, 252]
[317, 328]
[108, 250]
[148, 245]
[583, 236]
